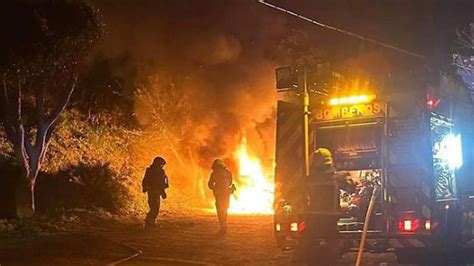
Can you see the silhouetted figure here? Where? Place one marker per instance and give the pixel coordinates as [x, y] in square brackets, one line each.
[154, 183]
[221, 184]
[319, 244]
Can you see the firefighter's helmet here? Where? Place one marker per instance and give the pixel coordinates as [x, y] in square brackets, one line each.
[159, 161]
[218, 163]
[322, 157]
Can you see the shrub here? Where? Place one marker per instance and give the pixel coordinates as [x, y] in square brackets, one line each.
[83, 186]
[101, 187]
[18, 228]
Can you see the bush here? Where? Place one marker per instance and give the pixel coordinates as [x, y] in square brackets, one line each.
[101, 187]
[83, 186]
[7, 228]
[18, 228]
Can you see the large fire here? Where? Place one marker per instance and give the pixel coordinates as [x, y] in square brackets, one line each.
[254, 193]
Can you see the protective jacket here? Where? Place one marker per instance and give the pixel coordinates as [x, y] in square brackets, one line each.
[220, 182]
[324, 184]
[155, 180]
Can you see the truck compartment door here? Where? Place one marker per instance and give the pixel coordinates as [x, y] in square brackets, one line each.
[289, 168]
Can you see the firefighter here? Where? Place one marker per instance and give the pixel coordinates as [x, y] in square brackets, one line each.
[155, 183]
[319, 238]
[220, 182]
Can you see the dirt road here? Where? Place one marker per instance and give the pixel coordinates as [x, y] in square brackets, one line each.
[191, 240]
[185, 239]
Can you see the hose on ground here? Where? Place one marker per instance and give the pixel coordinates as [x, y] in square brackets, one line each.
[366, 226]
[136, 253]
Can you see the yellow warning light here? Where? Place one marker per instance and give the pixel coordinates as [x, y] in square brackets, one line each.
[351, 99]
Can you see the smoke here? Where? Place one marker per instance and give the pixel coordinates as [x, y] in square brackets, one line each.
[203, 76]
[208, 68]
[214, 49]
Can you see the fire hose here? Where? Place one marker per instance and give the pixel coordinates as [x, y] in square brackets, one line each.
[136, 253]
[366, 226]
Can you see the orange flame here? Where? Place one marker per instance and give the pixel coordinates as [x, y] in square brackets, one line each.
[254, 193]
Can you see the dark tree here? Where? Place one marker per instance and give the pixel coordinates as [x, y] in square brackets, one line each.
[48, 42]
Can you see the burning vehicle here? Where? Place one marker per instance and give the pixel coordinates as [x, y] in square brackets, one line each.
[407, 142]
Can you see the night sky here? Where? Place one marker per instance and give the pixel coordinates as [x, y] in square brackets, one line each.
[173, 33]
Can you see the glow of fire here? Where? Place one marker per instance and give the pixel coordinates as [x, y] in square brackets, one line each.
[254, 193]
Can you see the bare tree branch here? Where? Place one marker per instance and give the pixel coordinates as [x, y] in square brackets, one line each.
[21, 147]
[27, 143]
[61, 105]
[42, 141]
[49, 132]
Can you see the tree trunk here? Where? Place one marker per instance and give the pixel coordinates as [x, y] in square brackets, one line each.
[29, 158]
[25, 197]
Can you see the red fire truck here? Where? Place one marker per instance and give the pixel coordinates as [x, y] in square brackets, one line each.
[409, 139]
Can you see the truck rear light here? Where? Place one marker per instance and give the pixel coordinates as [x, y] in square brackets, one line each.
[294, 227]
[408, 225]
[301, 226]
[428, 225]
[278, 227]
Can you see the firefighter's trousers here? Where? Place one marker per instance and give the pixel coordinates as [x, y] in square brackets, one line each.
[154, 204]
[222, 205]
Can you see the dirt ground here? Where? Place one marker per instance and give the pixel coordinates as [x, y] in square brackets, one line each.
[184, 239]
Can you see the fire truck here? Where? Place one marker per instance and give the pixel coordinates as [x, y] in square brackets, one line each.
[408, 138]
